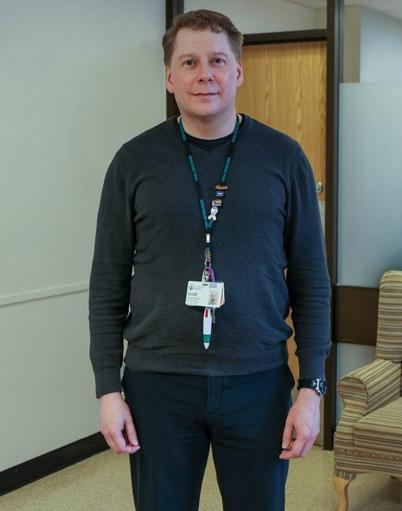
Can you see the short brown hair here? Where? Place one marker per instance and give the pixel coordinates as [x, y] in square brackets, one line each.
[202, 19]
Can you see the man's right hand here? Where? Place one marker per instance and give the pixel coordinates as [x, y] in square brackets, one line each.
[117, 424]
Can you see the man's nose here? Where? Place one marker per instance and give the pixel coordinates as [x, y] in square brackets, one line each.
[205, 73]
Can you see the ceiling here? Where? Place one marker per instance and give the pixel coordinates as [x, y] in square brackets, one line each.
[390, 7]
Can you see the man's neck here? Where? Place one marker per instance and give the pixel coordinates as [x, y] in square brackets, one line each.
[208, 127]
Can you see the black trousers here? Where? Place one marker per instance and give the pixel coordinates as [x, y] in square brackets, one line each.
[179, 416]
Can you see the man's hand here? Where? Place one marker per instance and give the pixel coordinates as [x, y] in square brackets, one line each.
[117, 424]
[304, 419]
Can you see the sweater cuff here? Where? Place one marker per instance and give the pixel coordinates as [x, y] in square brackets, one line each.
[312, 366]
[107, 381]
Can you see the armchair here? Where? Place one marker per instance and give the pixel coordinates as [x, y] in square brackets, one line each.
[368, 437]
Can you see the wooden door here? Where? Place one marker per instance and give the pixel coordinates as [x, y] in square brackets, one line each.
[285, 87]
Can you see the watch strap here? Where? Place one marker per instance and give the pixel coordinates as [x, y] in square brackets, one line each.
[317, 384]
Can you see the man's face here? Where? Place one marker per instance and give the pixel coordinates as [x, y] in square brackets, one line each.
[203, 73]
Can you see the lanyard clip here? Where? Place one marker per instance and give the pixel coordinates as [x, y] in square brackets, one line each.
[207, 256]
[208, 274]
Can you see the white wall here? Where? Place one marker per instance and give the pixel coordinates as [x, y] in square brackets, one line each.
[256, 16]
[79, 79]
[370, 182]
[372, 46]
[381, 47]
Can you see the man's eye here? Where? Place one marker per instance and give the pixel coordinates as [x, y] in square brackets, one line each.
[219, 60]
[188, 62]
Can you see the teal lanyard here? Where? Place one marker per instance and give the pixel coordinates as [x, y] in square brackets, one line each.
[220, 189]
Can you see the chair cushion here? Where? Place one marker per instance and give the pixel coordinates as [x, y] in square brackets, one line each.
[380, 432]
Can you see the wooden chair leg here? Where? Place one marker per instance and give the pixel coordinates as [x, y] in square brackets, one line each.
[341, 488]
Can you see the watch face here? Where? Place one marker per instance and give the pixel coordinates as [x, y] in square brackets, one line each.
[321, 386]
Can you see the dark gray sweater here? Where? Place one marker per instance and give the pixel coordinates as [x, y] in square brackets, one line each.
[150, 242]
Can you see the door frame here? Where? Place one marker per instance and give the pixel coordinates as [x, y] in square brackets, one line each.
[333, 35]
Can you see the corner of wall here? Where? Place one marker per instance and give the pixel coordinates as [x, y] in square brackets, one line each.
[351, 44]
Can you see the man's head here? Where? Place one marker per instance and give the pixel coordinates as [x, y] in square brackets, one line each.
[202, 20]
[202, 51]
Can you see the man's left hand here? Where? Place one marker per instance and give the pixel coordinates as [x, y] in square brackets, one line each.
[304, 420]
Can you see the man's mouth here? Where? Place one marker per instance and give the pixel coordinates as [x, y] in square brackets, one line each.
[205, 94]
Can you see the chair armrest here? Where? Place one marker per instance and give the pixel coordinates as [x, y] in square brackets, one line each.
[362, 391]
[371, 386]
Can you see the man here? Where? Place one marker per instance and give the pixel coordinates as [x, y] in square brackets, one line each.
[208, 202]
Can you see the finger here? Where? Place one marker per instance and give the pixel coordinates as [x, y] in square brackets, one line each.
[131, 432]
[130, 448]
[298, 447]
[287, 435]
[294, 451]
[118, 441]
[285, 452]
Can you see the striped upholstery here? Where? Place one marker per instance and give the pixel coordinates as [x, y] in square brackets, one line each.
[369, 434]
[389, 330]
[362, 391]
[380, 432]
[352, 462]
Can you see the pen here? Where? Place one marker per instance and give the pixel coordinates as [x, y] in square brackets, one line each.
[207, 327]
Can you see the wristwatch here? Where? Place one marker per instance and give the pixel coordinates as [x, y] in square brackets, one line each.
[317, 384]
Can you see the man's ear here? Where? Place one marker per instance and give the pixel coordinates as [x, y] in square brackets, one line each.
[169, 84]
[240, 76]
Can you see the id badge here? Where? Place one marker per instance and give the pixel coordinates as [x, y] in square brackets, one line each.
[205, 294]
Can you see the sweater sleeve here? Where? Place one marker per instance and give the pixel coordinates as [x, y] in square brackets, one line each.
[307, 274]
[109, 285]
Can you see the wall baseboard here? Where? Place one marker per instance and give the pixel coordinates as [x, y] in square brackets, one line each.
[32, 470]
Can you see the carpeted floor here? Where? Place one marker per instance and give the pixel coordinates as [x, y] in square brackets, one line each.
[102, 483]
